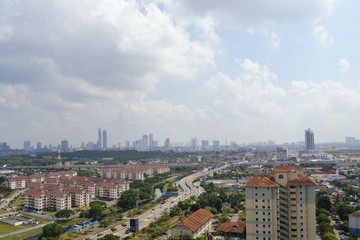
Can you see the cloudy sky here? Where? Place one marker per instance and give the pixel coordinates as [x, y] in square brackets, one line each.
[239, 70]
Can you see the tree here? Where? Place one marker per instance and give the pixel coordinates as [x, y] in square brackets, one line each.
[52, 230]
[146, 193]
[330, 236]
[344, 210]
[109, 237]
[65, 213]
[128, 200]
[96, 209]
[323, 201]
[104, 222]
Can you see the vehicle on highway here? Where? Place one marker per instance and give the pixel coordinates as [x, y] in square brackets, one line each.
[127, 231]
[124, 224]
[113, 229]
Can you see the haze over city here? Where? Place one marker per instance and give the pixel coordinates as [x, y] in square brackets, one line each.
[244, 71]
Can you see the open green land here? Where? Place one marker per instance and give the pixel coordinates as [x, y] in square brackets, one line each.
[24, 235]
[6, 228]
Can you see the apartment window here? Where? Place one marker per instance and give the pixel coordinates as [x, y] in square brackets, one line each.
[263, 194]
[256, 219]
[268, 188]
[300, 192]
[256, 200]
[263, 200]
[263, 213]
[257, 231]
[264, 226]
[281, 176]
[256, 206]
[256, 225]
[256, 213]
[263, 207]
[255, 188]
[255, 194]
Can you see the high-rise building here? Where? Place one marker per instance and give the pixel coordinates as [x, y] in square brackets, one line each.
[144, 142]
[167, 143]
[38, 146]
[151, 141]
[64, 145]
[309, 140]
[216, 145]
[104, 139]
[281, 154]
[281, 205]
[99, 139]
[204, 145]
[27, 145]
[194, 143]
[350, 141]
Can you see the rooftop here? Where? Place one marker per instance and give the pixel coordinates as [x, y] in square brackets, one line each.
[195, 220]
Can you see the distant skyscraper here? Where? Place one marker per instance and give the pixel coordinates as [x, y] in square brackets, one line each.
[350, 141]
[281, 154]
[167, 143]
[27, 145]
[194, 143]
[64, 145]
[38, 146]
[99, 139]
[145, 142]
[204, 145]
[151, 141]
[309, 140]
[104, 139]
[216, 145]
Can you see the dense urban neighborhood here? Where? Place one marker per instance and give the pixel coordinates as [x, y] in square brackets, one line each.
[246, 194]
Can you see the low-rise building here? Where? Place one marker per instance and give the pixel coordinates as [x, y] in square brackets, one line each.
[194, 225]
[354, 224]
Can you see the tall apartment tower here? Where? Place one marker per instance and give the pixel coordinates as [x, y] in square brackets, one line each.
[309, 140]
[99, 139]
[27, 146]
[104, 138]
[281, 205]
[151, 141]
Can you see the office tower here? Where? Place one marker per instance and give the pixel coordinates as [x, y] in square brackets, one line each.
[127, 145]
[281, 154]
[281, 205]
[64, 145]
[27, 145]
[38, 146]
[204, 145]
[104, 139]
[194, 143]
[350, 141]
[216, 145]
[151, 141]
[309, 140]
[99, 139]
[144, 142]
[167, 143]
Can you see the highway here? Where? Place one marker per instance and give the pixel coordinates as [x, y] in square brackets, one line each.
[188, 189]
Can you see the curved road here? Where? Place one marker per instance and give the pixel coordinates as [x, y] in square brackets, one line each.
[189, 188]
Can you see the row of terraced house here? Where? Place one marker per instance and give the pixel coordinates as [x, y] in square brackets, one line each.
[136, 172]
[65, 190]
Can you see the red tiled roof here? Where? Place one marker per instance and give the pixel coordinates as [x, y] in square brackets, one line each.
[33, 193]
[232, 227]
[260, 182]
[286, 168]
[302, 181]
[195, 220]
[355, 214]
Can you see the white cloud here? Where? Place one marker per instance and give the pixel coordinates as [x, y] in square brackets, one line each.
[5, 32]
[344, 66]
[257, 12]
[320, 33]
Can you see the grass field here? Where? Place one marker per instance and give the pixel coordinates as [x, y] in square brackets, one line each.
[24, 235]
[6, 228]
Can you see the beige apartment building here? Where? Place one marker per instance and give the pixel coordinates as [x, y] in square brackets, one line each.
[281, 205]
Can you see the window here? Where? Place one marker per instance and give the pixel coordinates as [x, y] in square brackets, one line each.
[281, 176]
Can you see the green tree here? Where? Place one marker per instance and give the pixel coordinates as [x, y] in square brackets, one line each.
[146, 193]
[329, 236]
[128, 200]
[344, 210]
[52, 230]
[109, 237]
[104, 222]
[323, 200]
[96, 209]
[65, 213]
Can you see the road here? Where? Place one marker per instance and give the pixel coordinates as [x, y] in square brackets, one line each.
[189, 188]
[5, 202]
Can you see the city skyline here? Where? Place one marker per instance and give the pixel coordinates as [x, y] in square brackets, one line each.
[242, 71]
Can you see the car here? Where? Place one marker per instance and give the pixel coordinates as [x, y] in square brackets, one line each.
[113, 229]
[124, 224]
[99, 234]
[127, 231]
[87, 238]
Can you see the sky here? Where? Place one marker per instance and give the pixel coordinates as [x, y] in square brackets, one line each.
[239, 70]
